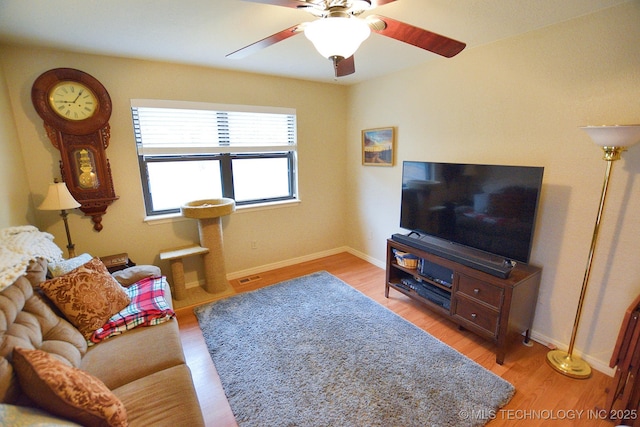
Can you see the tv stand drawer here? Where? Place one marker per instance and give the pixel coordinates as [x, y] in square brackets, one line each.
[480, 291]
[477, 314]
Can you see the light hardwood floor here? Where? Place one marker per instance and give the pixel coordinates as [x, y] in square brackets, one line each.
[543, 396]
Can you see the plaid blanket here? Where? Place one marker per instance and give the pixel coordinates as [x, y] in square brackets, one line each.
[148, 307]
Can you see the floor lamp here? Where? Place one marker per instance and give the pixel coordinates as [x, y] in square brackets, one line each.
[613, 140]
[60, 199]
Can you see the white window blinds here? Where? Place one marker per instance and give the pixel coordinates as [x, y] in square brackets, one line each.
[179, 127]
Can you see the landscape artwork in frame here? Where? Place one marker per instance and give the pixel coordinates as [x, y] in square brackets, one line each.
[377, 146]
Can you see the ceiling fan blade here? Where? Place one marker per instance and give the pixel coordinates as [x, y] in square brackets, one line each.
[266, 42]
[344, 67]
[423, 39]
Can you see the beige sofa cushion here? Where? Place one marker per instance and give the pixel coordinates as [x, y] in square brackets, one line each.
[26, 321]
[169, 399]
[135, 354]
[37, 272]
[22, 416]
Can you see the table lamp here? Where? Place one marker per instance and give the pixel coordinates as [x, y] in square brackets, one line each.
[60, 199]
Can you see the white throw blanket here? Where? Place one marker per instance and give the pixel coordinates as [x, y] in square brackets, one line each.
[21, 245]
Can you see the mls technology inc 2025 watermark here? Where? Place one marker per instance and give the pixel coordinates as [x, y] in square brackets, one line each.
[550, 414]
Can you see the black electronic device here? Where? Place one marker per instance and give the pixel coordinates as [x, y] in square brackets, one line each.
[471, 213]
[437, 273]
[428, 291]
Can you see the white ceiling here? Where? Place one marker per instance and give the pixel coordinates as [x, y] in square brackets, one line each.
[202, 32]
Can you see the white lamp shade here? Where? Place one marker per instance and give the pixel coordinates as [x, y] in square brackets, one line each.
[614, 136]
[337, 36]
[58, 198]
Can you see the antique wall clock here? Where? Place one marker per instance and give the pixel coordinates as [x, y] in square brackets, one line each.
[76, 108]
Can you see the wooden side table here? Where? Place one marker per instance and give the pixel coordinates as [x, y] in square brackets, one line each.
[117, 262]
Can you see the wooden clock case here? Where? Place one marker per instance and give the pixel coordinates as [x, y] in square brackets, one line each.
[82, 144]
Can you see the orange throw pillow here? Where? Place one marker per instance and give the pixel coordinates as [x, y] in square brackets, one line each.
[65, 391]
[88, 296]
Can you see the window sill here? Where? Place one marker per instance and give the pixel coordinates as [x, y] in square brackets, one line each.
[167, 218]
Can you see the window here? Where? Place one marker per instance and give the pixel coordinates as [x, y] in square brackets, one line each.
[192, 151]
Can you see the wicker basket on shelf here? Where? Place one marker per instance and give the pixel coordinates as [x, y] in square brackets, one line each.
[405, 259]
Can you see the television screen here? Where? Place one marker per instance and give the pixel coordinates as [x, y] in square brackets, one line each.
[487, 207]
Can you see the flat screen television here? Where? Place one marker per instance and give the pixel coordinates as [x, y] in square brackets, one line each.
[490, 208]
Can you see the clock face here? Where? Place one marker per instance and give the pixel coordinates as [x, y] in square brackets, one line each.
[73, 101]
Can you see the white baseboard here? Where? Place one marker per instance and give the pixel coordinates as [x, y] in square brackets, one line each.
[596, 364]
[286, 263]
[293, 261]
[371, 260]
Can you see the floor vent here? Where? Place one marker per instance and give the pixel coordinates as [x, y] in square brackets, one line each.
[249, 279]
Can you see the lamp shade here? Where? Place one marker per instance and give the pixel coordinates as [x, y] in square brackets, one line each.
[614, 136]
[337, 36]
[58, 198]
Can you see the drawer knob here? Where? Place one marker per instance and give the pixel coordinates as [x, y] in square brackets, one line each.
[474, 315]
[476, 291]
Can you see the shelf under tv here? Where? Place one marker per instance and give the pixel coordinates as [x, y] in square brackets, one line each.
[485, 262]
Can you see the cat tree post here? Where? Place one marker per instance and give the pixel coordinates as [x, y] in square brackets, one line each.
[209, 213]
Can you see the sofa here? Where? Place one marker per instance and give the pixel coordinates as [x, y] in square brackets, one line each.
[54, 373]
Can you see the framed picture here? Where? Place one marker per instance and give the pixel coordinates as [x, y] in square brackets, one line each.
[378, 146]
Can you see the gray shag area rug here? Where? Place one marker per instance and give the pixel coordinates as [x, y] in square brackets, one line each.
[313, 351]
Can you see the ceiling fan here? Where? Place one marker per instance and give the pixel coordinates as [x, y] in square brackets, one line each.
[339, 31]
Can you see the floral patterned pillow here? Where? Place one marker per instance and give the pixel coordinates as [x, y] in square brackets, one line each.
[88, 296]
[65, 391]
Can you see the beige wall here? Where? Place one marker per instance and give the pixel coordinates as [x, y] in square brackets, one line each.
[15, 203]
[521, 101]
[517, 101]
[309, 227]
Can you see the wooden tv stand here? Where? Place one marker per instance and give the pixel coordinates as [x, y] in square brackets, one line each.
[489, 306]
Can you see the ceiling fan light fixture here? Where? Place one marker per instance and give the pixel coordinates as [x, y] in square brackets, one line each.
[337, 36]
